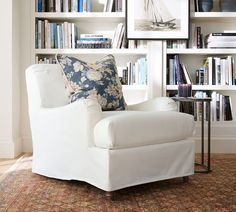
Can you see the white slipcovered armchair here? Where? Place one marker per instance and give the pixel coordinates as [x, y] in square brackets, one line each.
[110, 150]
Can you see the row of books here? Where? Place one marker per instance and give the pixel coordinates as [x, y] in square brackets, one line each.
[137, 44]
[75, 6]
[217, 71]
[221, 107]
[45, 60]
[177, 72]
[113, 6]
[134, 73]
[63, 5]
[55, 35]
[177, 44]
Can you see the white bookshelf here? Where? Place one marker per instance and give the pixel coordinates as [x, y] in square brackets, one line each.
[92, 51]
[193, 57]
[204, 88]
[95, 22]
[202, 51]
[94, 17]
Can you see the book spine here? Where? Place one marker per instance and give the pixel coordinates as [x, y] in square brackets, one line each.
[84, 6]
[36, 6]
[42, 35]
[36, 35]
[88, 9]
[40, 6]
[81, 5]
[39, 34]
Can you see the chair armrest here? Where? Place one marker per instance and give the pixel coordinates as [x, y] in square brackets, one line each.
[70, 123]
[155, 104]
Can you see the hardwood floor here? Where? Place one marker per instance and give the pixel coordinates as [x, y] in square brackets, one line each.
[5, 164]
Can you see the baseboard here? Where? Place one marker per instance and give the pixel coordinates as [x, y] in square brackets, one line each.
[218, 145]
[27, 144]
[10, 148]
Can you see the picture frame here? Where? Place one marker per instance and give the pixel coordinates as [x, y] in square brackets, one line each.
[157, 19]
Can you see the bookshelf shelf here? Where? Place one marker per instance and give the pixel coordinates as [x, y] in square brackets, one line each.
[134, 87]
[202, 51]
[213, 16]
[92, 51]
[205, 87]
[94, 17]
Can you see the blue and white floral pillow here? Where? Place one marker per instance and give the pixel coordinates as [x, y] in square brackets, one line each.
[99, 80]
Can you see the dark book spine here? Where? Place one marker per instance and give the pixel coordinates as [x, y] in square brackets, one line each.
[213, 72]
[199, 37]
[227, 109]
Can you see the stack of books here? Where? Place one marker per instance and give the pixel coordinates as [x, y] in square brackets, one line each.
[93, 41]
[221, 40]
[63, 5]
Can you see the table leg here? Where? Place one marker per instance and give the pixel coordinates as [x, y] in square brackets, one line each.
[202, 154]
[209, 136]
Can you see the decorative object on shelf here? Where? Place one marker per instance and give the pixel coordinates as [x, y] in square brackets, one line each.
[159, 19]
[227, 5]
[205, 5]
[185, 90]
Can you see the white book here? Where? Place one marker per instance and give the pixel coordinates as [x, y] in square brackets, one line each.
[171, 72]
[186, 74]
[223, 44]
[65, 6]
[73, 36]
[65, 30]
[217, 71]
[210, 69]
[58, 37]
[109, 5]
[39, 34]
[116, 35]
[213, 106]
[121, 35]
[230, 69]
[105, 6]
[46, 34]
[69, 36]
[58, 5]
[223, 71]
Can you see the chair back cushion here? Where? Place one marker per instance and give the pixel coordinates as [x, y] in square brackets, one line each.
[97, 81]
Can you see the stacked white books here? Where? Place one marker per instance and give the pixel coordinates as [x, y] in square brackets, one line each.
[221, 40]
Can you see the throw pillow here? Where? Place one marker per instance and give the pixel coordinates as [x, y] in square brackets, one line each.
[98, 80]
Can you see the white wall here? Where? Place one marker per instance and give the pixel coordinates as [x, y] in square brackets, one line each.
[9, 79]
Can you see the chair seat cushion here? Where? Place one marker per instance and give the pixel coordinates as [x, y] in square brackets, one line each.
[126, 129]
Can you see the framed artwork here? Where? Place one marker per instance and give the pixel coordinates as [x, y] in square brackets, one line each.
[157, 19]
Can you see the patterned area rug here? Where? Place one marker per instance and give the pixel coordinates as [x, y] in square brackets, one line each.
[21, 190]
